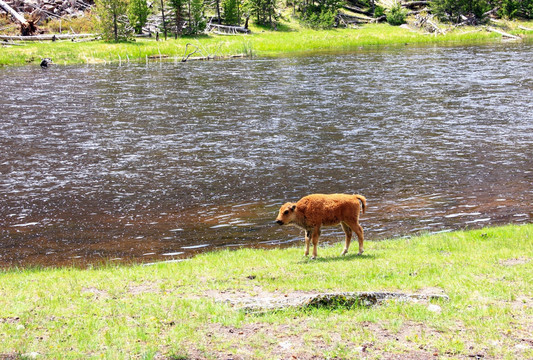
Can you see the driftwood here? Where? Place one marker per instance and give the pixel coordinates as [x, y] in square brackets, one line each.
[357, 10]
[503, 33]
[47, 37]
[382, 18]
[490, 13]
[226, 29]
[415, 4]
[343, 299]
[524, 28]
[187, 55]
[351, 19]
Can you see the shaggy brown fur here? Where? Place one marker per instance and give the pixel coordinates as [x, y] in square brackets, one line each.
[314, 211]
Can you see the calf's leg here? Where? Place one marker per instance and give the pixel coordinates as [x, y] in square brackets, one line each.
[348, 232]
[358, 229]
[307, 240]
[314, 238]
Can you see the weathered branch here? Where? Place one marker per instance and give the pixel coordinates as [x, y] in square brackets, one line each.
[503, 33]
[185, 58]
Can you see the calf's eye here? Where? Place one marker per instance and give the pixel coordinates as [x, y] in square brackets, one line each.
[286, 212]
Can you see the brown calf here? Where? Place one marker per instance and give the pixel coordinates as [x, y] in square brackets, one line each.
[314, 211]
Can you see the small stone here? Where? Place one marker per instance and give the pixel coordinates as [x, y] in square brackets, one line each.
[32, 355]
[434, 308]
[522, 347]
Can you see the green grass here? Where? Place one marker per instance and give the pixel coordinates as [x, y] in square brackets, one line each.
[289, 40]
[169, 310]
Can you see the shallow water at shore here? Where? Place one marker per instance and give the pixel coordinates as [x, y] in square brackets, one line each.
[159, 162]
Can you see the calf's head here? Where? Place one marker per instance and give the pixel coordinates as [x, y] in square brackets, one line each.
[286, 214]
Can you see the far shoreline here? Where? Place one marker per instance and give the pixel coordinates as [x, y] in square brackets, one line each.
[261, 43]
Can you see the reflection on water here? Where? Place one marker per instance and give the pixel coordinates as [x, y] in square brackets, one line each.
[163, 161]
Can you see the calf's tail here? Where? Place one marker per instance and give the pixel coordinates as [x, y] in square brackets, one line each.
[362, 199]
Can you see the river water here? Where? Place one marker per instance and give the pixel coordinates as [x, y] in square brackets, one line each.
[159, 161]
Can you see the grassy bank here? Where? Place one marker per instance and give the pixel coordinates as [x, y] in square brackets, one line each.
[290, 39]
[170, 311]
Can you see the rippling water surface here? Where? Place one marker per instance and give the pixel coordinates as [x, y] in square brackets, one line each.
[160, 161]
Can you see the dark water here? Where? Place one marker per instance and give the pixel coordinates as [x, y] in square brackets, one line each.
[156, 162]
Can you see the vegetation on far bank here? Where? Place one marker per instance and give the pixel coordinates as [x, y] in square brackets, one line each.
[176, 310]
[288, 39]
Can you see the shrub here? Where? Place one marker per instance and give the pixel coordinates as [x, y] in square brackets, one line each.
[453, 10]
[320, 14]
[517, 9]
[320, 19]
[379, 11]
[396, 15]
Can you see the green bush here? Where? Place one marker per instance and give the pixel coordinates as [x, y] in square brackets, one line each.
[379, 11]
[396, 15]
[322, 19]
[517, 9]
[321, 14]
[453, 10]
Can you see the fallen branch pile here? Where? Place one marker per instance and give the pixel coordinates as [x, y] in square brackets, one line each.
[51, 9]
[426, 23]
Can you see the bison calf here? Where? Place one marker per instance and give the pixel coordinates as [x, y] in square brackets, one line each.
[314, 211]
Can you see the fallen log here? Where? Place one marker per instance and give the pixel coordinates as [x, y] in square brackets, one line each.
[49, 37]
[351, 19]
[342, 299]
[357, 10]
[227, 29]
[382, 18]
[415, 4]
[524, 28]
[503, 33]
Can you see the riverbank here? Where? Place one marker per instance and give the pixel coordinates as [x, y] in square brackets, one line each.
[288, 40]
[183, 310]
